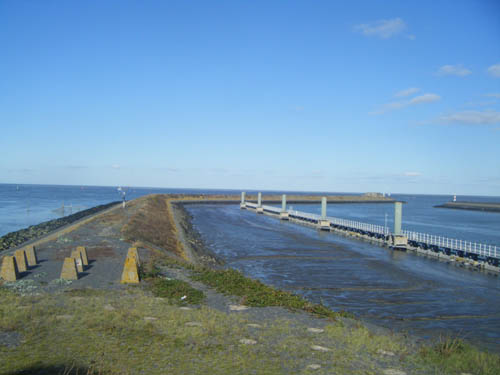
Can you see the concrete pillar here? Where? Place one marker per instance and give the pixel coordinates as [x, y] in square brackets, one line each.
[259, 200]
[283, 203]
[323, 208]
[398, 210]
[242, 197]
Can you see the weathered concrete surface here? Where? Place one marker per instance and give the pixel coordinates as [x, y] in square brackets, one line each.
[9, 269]
[22, 263]
[69, 271]
[130, 273]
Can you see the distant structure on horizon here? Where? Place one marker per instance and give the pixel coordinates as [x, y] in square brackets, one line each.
[374, 195]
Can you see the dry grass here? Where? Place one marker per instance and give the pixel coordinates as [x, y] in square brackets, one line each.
[153, 223]
[131, 332]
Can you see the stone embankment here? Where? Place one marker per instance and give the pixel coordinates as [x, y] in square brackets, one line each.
[473, 206]
[19, 237]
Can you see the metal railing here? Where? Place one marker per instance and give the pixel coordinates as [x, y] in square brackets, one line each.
[453, 244]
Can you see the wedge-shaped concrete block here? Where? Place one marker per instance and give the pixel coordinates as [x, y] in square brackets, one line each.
[9, 269]
[130, 273]
[77, 256]
[31, 256]
[69, 269]
[22, 262]
[83, 251]
[132, 253]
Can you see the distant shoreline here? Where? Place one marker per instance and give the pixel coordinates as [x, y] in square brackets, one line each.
[472, 206]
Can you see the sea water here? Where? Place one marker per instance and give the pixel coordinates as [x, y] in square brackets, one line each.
[398, 290]
[393, 289]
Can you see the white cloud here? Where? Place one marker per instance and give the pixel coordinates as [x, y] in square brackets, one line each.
[412, 174]
[493, 95]
[453, 70]
[406, 92]
[472, 118]
[115, 166]
[383, 28]
[425, 98]
[494, 70]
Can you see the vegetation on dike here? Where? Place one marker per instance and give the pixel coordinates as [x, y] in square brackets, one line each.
[17, 238]
[177, 291]
[131, 331]
[255, 293]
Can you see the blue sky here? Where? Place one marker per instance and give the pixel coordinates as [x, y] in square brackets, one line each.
[298, 95]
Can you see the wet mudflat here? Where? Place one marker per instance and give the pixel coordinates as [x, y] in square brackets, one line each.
[398, 290]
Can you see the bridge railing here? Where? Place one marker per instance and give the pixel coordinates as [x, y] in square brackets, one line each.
[480, 249]
[454, 244]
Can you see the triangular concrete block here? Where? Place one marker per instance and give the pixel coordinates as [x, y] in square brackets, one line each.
[31, 256]
[132, 253]
[83, 251]
[130, 273]
[69, 269]
[22, 262]
[77, 256]
[9, 270]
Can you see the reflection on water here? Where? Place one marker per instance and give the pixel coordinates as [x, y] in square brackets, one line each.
[398, 290]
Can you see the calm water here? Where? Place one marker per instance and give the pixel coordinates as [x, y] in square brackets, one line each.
[25, 205]
[394, 289]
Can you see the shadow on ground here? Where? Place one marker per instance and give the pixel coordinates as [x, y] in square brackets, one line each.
[55, 370]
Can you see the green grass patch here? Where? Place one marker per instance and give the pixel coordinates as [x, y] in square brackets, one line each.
[177, 291]
[455, 356]
[255, 293]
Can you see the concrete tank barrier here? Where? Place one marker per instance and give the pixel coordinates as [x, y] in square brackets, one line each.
[132, 253]
[77, 256]
[68, 271]
[130, 273]
[9, 269]
[31, 256]
[22, 263]
[83, 252]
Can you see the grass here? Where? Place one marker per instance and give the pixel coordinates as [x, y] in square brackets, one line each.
[457, 356]
[61, 334]
[177, 291]
[142, 334]
[255, 293]
[153, 223]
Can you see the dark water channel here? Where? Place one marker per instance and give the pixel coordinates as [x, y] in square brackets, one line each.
[397, 290]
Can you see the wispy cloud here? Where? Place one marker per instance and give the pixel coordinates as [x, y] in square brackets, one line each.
[471, 118]
[425, 98]
[383, 28]
[453, 70]
[115, 166]
[406, 92]
[494, 70]
[493, 95]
